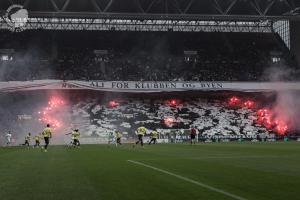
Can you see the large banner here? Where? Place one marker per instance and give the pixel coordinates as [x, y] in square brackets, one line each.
[147, 86]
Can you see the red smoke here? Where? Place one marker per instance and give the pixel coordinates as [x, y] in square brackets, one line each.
[268, 119]
[281, 127]
[265, 117]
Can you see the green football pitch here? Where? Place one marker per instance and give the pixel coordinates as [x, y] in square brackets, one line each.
[164, 171]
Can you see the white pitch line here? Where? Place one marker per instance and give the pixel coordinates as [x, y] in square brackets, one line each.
[233, 157]
[189, 180]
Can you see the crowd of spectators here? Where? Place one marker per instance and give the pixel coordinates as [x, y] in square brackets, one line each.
[131, 56]
[212, 118]
[96, 114]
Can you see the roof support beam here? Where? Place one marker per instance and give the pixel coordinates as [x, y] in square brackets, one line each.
[139, 6]
[269, 7]
[151, 4]
[177, 6]
[262, 8]
[233, 2]
[146, 25]
[108, 5]
[290, 5]
[96, 6]
[187, 8]
[218, 7]
[65, 5]
[54, 5]
[141, 16]
[256, 6]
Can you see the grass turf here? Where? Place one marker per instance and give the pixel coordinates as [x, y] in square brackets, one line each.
[95, 172]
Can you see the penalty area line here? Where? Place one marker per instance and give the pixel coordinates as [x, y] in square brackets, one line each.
[189, 180]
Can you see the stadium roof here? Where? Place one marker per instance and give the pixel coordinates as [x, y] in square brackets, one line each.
[232, 9]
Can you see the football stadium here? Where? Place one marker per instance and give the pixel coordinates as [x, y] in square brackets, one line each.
[149, 99]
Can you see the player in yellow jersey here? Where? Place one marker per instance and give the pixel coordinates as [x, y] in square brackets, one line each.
[118, 136]
[37, 140]
[75, 137]
[47, 134]
[154, 136]
[141, 131]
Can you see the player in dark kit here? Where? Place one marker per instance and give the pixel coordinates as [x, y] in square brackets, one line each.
[47, 133]
[193, 135]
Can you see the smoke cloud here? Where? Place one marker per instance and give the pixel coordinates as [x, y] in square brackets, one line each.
[287, 104]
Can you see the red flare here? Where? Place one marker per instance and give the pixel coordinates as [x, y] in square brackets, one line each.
[113, 103]
[234, 100]
[267, 119]
[249, 104]
[169, 121]
[173, 102]
[49, 112]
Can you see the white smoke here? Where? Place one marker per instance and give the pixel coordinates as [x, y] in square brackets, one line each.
[287, 107]
[24, 66]
[278, 73]
[11, 106]
[287, 104]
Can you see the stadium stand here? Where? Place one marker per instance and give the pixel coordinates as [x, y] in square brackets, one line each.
[138, 56]
[201, 41]
[211, 118]
[214, 117]
[87, 85]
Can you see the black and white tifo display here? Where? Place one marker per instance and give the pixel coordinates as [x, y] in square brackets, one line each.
[219, 111]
